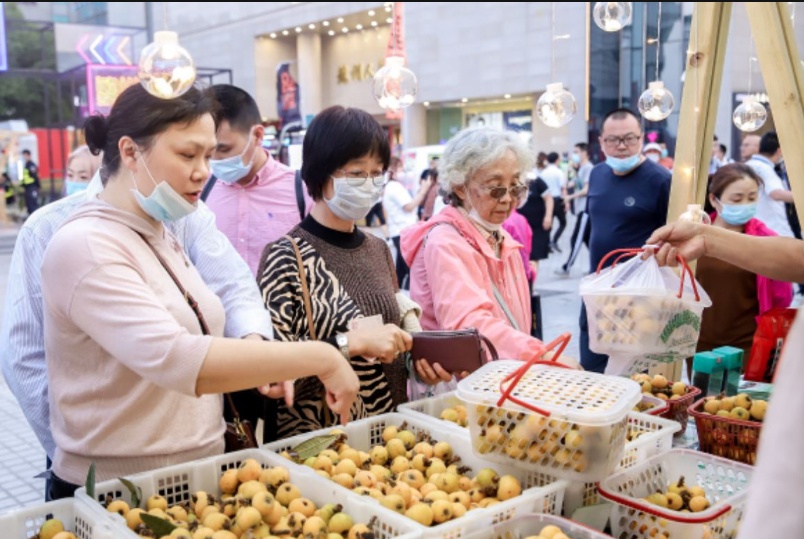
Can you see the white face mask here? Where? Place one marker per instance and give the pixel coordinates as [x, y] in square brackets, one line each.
[491, 227]
[233, 169]
[653, 156]
[350, 202]
[164, 203]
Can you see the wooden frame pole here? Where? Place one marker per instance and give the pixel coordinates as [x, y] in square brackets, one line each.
[784, 83]
[699, 104]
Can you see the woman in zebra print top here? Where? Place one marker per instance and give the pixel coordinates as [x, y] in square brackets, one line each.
[350, 276]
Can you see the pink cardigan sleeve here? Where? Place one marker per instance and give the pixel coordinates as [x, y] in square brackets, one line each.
[462, 299]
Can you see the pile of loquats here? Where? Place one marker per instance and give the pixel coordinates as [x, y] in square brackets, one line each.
[680, 497]
[255, 503]
[550, 532]
[415, 476]
[53, 529]
[658, 386]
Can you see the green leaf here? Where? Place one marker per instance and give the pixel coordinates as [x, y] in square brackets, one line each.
[159, 526]
[134, 491]
[313, 446]
[90, 483]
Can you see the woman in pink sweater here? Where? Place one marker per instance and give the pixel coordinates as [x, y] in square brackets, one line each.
[738, 296]
[465, 269]
[136, 365]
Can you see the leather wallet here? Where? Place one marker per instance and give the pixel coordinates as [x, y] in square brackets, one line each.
[456, 351]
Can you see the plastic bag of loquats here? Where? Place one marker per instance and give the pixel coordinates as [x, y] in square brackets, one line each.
[638, 311]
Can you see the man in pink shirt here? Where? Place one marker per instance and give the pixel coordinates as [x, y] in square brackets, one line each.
[254, 196]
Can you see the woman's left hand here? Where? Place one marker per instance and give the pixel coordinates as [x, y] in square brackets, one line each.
[431, 374]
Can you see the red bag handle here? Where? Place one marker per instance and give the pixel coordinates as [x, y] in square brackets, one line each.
[635, 251]
[560, 343]
[658, 511]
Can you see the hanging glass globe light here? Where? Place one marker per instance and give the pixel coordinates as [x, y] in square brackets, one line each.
[612, 16]
[166, 69]
[656, 103]
[749, 115]
[394, 86]
[695, 214]
[556, 107]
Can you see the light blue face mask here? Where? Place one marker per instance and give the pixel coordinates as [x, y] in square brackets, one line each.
[72, 187]
[624, 165]
[233, 169]
[576, 158]
[164, 203]
[665, 153]
[738, 214]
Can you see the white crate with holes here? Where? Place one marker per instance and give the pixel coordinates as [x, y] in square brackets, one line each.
[646, 435]
[76, 517]
[561, 422]
[177, 484]
[530, 526]
[536, 497]
[725, 485]
[431, 408]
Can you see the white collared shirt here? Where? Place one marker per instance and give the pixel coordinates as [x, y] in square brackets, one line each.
[22, 353]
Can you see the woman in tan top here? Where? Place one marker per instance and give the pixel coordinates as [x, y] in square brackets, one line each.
[135, 373]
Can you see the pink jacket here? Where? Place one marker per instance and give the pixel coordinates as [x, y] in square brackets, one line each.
[451, 277]
[520, 230]
[770, 293]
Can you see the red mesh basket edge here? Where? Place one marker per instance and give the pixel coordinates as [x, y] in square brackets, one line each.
[733, 439]
[678, 408]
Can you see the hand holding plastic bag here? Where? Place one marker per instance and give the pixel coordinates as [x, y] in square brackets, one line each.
[638, 309]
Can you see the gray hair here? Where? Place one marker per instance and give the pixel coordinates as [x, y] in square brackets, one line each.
[472, 149]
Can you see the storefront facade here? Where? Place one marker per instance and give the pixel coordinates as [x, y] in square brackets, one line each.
[490, 62]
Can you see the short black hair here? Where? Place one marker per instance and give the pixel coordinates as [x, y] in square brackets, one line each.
[26, 152]
[620, 114]
[769, 143]
[552, 157]
[237, 107]
[142, 116]
[723, 148]
[336, 136]
[584, 147]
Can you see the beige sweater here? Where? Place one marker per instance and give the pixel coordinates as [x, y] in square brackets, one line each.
[124, 349]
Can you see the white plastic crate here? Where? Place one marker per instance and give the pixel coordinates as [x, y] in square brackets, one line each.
[581, 434]
[430, 409]
[178, 483]
[538, 495]
[656, 405]
[725, 483]
[656, 437]
[76, 516]
[531, 525]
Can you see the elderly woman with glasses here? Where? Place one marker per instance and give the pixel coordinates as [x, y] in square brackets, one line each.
[327, 280]
[466, 270]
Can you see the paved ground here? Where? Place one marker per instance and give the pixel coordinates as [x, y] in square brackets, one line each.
[21, 456]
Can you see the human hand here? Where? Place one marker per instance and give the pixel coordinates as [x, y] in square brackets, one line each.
[567, 361]
[679, 238]
[340, 381]
[431, 374]
[547, 223]
[386, 343]
[284, 389]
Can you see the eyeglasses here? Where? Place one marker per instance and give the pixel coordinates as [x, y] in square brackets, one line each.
[629, 140]
[517, 191]
[356, 178]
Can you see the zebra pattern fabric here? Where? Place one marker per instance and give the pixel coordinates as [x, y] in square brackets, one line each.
[333, 308]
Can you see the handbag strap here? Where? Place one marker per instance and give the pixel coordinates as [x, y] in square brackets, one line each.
[308, 307]
[194, 306]
[503, 305]
[493, 351]
[497, 295]
[305, 291]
